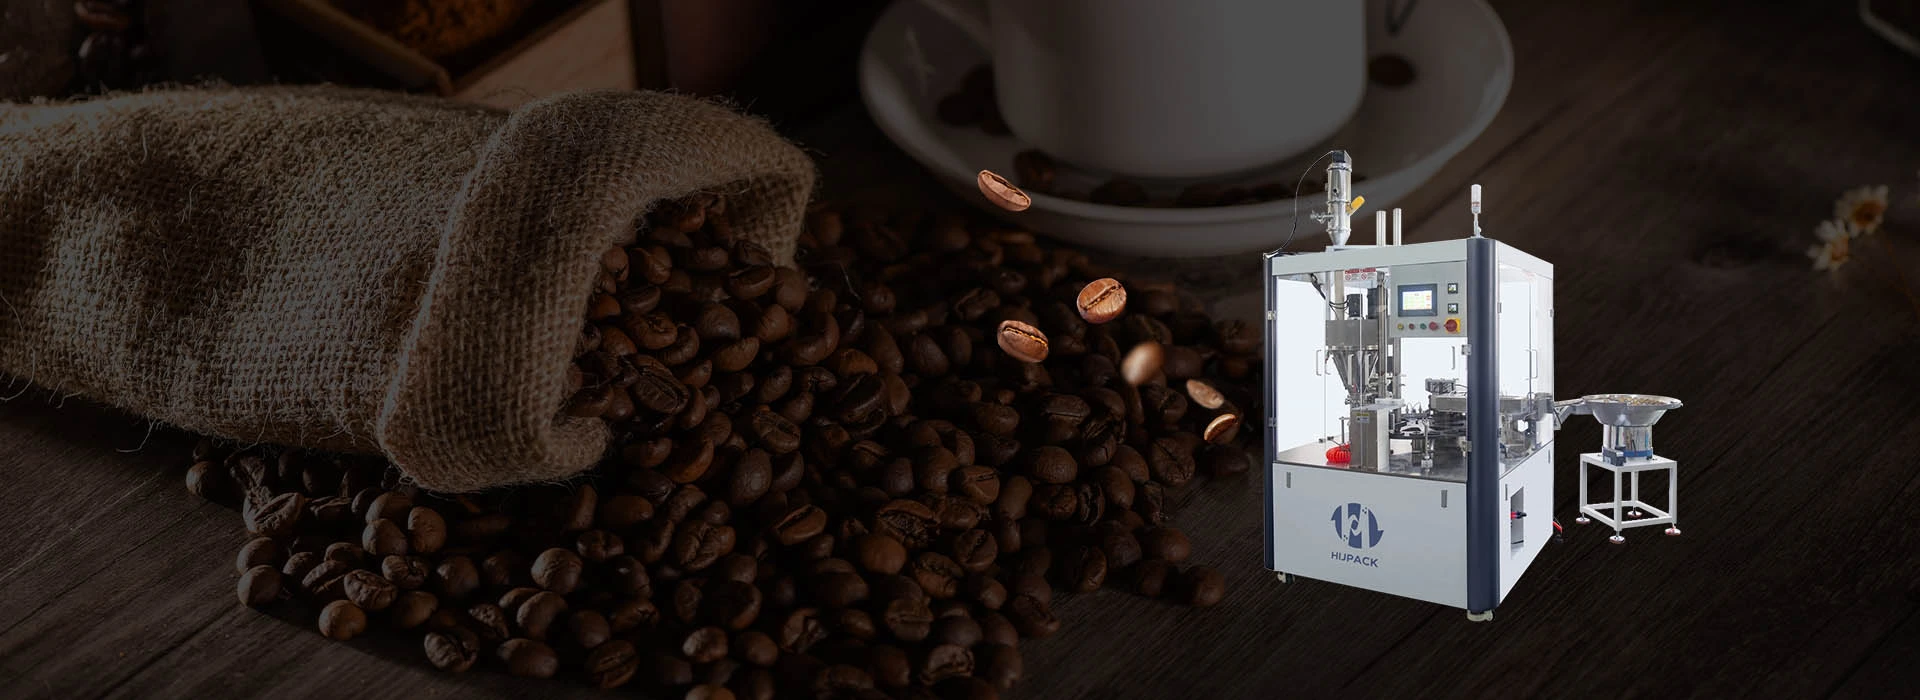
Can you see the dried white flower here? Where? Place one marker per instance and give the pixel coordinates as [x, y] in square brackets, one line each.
[1835, 244]
[1864, 207]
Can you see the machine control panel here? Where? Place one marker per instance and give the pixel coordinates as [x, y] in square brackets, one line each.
[1427, 310]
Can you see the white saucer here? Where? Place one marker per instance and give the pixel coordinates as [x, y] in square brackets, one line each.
[1401, 136]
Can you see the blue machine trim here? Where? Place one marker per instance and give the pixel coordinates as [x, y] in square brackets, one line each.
[1485, 514]
[1268, 397]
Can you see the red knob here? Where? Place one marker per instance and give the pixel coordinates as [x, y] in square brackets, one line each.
[1339, 454]
[1453, 325]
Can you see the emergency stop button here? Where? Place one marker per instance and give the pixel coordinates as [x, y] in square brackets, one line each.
[1453, 325]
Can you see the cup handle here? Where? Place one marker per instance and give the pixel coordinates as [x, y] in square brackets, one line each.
[970, 17]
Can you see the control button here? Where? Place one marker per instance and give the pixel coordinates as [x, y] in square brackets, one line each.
[1453, 308]
[1453, 287]
[1402, 326]
[1453, 325]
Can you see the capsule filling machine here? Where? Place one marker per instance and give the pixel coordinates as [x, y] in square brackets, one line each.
[1414, 417]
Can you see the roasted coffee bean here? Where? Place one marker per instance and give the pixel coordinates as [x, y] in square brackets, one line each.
[557, 570]
[528, 658]
[995, 628]
[1031, 617]
[799, 525]
[942, 662]
[259, 585]
[1222, 428]
[1170, 462]
[1048, 464]
[535, 616]
[1142, 363]
[974, 550]
[697, 544]
[452, 650]
[801, 630]
[490, 622]
[1204, 394]
[368, 590]
[426, 530]
[1022, 341]
[1102, 300]
[504, 568]
[1202, 586]
[612, 664]
[937, 574]
[1166, 544]
[1086, 569]
[342, 620]
[412, 609]
[257, 552]
[957, 630]
[705, 645]
[275, 517]
[1002, 193]
[908, 619]
[879, 553]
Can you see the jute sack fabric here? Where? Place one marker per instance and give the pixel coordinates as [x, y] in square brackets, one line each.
[352, 270]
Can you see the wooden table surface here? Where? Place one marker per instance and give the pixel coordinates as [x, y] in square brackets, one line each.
[1670, 157]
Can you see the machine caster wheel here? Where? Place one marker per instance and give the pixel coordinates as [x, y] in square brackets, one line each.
[1673, 532]
[1616, 539]
[1582, 520]
[1480, 616]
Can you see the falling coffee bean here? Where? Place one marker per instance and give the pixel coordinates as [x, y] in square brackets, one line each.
[1204, 394]
[1143, 362]
[1102, 300]
[1222, 428]
[1021, 341]
[1002, 193]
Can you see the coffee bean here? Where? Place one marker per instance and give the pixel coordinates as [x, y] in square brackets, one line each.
[1204, 394]
[1222, 428]
[368, 590]
[1002, 193]
[995, 628]
[943, 661]
[277, 516]
[259, 585]
[257, 552]
[1166, 544]
[1031, 617]
[412, 609]
[1102, 300]
[426, 530]
[1202, 586]
[1021, 341]
[1142, 363]
[1170, 462]
[612, 664]
[452, 650]
[342, 620]
[535, 616]
[528, 658]
[557, 570]
[705, 645]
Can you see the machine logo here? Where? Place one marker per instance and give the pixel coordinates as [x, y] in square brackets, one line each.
[1355, 524]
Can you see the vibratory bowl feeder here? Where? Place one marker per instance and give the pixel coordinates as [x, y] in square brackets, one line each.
[1410, 447]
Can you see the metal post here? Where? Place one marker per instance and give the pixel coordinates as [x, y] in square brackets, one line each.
[1485, 513]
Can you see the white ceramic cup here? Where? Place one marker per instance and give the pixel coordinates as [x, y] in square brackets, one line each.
[1171, 89]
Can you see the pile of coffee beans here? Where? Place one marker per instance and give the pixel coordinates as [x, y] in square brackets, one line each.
[866, 476]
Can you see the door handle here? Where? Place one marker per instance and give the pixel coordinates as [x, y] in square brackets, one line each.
[1319, 363]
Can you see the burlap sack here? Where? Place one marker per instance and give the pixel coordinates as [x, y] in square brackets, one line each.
[351, 270]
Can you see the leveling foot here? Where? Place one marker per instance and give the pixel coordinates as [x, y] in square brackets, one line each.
[1480, 616]
[1617, 539]
[1284, 577]
[1673, 531]
[1582, 520]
